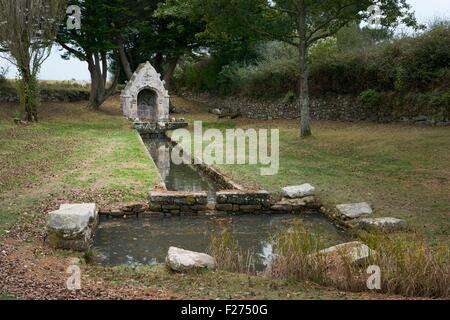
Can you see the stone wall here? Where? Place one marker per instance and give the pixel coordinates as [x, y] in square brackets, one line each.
[342, 108]
[178, 203]
[243, 202]
[9, 94]
[149, 129]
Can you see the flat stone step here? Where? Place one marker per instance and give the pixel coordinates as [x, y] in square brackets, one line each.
[300, 191]
[354, 210]
[382, 223]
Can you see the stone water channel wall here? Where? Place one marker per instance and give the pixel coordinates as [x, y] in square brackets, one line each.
[148, 130]
[231, 199]
[178, 203]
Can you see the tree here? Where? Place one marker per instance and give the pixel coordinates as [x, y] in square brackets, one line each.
[148, 35]
[300, 23]
[95, 44]
[118, 35]
[27, 32]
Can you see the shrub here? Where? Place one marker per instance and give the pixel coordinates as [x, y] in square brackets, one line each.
[289, 98]
[441, 100]
[425, 60]
[370, 98]
[418, 63]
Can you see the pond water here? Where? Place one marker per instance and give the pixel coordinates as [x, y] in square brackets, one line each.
[145, 241]
[178, 177]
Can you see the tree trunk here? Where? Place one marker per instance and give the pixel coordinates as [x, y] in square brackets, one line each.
[94, 99]
[172, 65]
[124, 60]
[98, 69]
[305, 118]
[158, 62]
[28, 91]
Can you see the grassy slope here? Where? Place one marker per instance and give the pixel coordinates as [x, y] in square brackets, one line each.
[403, 171]
[71, 150]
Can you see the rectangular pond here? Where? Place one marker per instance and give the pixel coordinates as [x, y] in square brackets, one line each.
[145, 241]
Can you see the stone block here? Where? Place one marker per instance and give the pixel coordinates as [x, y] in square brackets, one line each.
[183, 260]
[354, 210]
[300, 191]
[72, 226]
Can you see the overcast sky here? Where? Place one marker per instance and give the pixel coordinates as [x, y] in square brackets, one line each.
[56, 68]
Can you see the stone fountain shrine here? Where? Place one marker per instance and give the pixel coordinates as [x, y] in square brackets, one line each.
[146, 102]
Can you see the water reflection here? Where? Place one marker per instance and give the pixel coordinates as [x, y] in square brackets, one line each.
[178, 177]
[146, 241]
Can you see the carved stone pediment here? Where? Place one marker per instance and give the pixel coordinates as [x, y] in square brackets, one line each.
[145, 98]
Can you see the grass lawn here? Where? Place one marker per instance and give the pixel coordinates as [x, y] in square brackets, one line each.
[72, 153]
[402, 171]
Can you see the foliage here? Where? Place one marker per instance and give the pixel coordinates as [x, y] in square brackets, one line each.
[424, 61]
[417, 63]
[28, 91]
[27, 32]
[289, 98]
[370, 98]
[300, 23]
[441, 100]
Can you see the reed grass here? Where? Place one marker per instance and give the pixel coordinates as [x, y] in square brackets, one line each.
[229, 256]
[408, 268]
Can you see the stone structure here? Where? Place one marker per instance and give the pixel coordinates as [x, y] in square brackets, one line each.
[388, 224]
[145, 98]
[183, 260]
[8, 93]
[301, 191]
[354, 252]
[149, 130]
[341, 108]
[354, 210]
[243, 202]
[72, 226]
[178, 203]
[300, 205]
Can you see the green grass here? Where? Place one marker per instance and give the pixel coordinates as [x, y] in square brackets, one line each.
[71, 150]
[402, 171]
